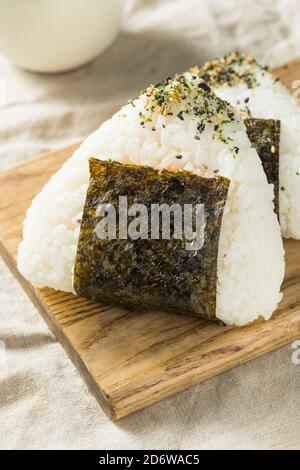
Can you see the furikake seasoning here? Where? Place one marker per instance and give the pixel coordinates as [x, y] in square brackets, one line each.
[188, 96]
[264, 135]
[233, 69]
[147, 273]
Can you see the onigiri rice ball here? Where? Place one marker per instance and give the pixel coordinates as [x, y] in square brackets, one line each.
[179, 116]
[251, 88]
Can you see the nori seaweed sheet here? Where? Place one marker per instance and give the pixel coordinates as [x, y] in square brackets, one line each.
[149, 274]
[263, 135]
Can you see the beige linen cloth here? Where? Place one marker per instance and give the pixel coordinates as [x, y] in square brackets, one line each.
[43, 402]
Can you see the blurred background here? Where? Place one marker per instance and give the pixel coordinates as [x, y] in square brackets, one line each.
[157, 38]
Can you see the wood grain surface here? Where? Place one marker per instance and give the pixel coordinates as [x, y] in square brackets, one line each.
[131, 360]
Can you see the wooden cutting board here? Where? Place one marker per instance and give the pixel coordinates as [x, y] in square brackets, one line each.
[131, 360]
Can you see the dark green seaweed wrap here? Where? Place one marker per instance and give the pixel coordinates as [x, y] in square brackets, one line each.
[149, 274]
[264, 135]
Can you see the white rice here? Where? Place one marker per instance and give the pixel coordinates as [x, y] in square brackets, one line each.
[251, 256]
[271, 100]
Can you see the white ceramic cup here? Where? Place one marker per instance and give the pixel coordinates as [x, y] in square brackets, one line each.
[57, 35]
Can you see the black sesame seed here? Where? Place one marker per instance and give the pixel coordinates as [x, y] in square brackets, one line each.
[201, 127]
[204, 86]
[178, 157]
[247, 100]
[179, 115]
